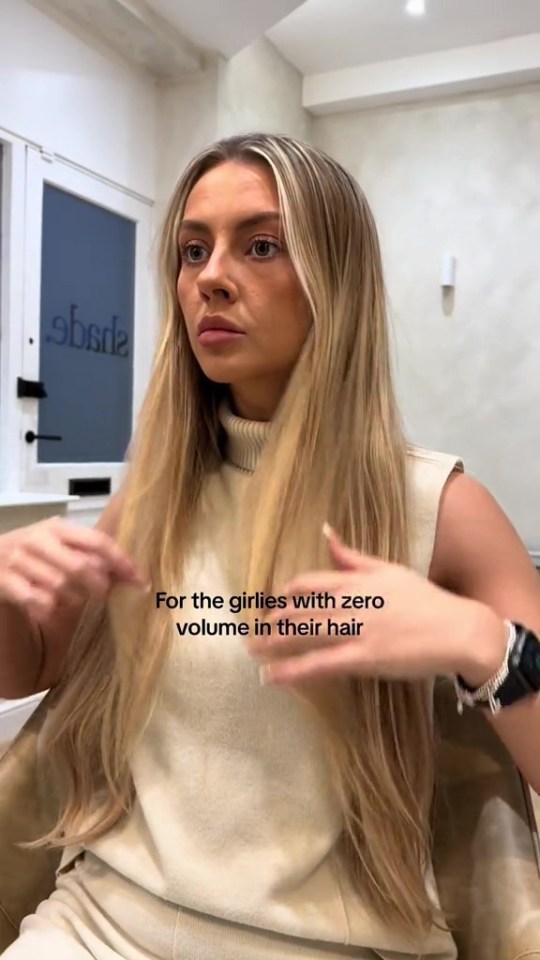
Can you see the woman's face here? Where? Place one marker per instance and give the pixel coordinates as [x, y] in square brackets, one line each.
[235, 268]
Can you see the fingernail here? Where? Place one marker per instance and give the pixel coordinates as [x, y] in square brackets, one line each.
[327, 530]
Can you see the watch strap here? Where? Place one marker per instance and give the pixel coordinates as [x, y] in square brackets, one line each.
[487, 694]
[511, 683]
[517, 685]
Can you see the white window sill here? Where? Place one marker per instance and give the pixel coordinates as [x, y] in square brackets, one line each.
[10, 498]
[88, 503]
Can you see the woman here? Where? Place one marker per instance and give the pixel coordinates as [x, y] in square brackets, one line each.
[205, 814]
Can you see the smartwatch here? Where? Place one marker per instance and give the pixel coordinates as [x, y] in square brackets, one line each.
[519, 676]
[523, 668]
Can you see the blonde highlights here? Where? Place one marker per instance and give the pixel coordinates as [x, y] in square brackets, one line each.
[336, 452]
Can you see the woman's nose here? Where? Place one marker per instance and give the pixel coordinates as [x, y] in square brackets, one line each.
[216, 277]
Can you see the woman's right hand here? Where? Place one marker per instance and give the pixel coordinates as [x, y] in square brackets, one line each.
[54, 564]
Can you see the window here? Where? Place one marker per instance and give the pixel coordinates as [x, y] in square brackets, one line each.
[86, 331]
[87, 326]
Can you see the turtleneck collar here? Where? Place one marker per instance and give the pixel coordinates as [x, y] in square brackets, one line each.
[245, 438]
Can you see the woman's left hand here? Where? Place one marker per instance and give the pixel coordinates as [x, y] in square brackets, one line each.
[421, 630]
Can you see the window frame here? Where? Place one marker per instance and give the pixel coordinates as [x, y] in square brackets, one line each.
[11, 303]
[41, 167]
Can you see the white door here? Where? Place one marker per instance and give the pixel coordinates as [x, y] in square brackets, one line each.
[88, 327]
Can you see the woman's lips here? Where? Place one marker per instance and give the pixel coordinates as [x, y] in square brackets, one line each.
[215, 338]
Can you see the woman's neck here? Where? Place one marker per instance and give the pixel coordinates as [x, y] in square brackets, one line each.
[257, 400]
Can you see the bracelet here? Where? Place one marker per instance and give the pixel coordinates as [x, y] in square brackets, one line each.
[486, 695]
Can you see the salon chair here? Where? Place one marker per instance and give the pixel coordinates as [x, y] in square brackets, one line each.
[485, 843]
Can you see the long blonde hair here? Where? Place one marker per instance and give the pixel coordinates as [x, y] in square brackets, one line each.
[336, 451]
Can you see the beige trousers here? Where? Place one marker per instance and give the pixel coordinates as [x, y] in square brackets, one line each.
[96, 913]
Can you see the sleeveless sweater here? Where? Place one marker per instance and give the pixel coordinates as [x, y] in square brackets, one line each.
[235, 816]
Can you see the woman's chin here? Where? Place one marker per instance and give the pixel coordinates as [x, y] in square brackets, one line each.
[222, 373]
[223, 380]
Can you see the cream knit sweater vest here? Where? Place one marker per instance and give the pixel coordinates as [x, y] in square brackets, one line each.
[235, 816]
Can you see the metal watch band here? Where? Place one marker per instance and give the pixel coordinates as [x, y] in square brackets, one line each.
[516, 678]
[487, 694]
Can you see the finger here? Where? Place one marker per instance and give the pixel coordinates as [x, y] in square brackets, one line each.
[68, 575]
[92, 541]
[314, 581]
[302, 622]
[347, 558]
[344, 660]
[52, 562]
[321, 580]
[38, 604]
[278, 647]
[344, 557]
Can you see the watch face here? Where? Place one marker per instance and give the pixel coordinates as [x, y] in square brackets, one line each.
[530, 661]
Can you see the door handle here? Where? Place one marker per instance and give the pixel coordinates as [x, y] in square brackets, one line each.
[30, 436]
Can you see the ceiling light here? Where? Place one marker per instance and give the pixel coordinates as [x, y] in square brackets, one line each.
[415, 8]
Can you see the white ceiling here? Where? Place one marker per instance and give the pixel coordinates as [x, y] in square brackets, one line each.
[317, 36]
[326, 35]
[352, 53]
[167, 37]
[225, 26]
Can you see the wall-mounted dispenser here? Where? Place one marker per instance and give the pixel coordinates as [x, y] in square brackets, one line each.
[448, 275]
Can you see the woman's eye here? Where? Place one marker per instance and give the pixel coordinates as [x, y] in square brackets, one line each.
[192, 253]
[265, 248]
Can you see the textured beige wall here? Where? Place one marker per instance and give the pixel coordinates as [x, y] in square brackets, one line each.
[255, 90]
[187, 122]
[259, 90]
[462, 177]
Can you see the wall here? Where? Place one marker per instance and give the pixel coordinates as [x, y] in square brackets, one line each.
[187, 122]
[82, 103]
[461, 177]
[255, 90]
[260, 90]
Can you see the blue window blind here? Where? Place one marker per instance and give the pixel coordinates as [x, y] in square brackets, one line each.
[86, 330]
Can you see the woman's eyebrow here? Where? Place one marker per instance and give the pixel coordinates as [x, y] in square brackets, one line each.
[255, 220]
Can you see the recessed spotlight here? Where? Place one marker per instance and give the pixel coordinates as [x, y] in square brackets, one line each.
[415, 8]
